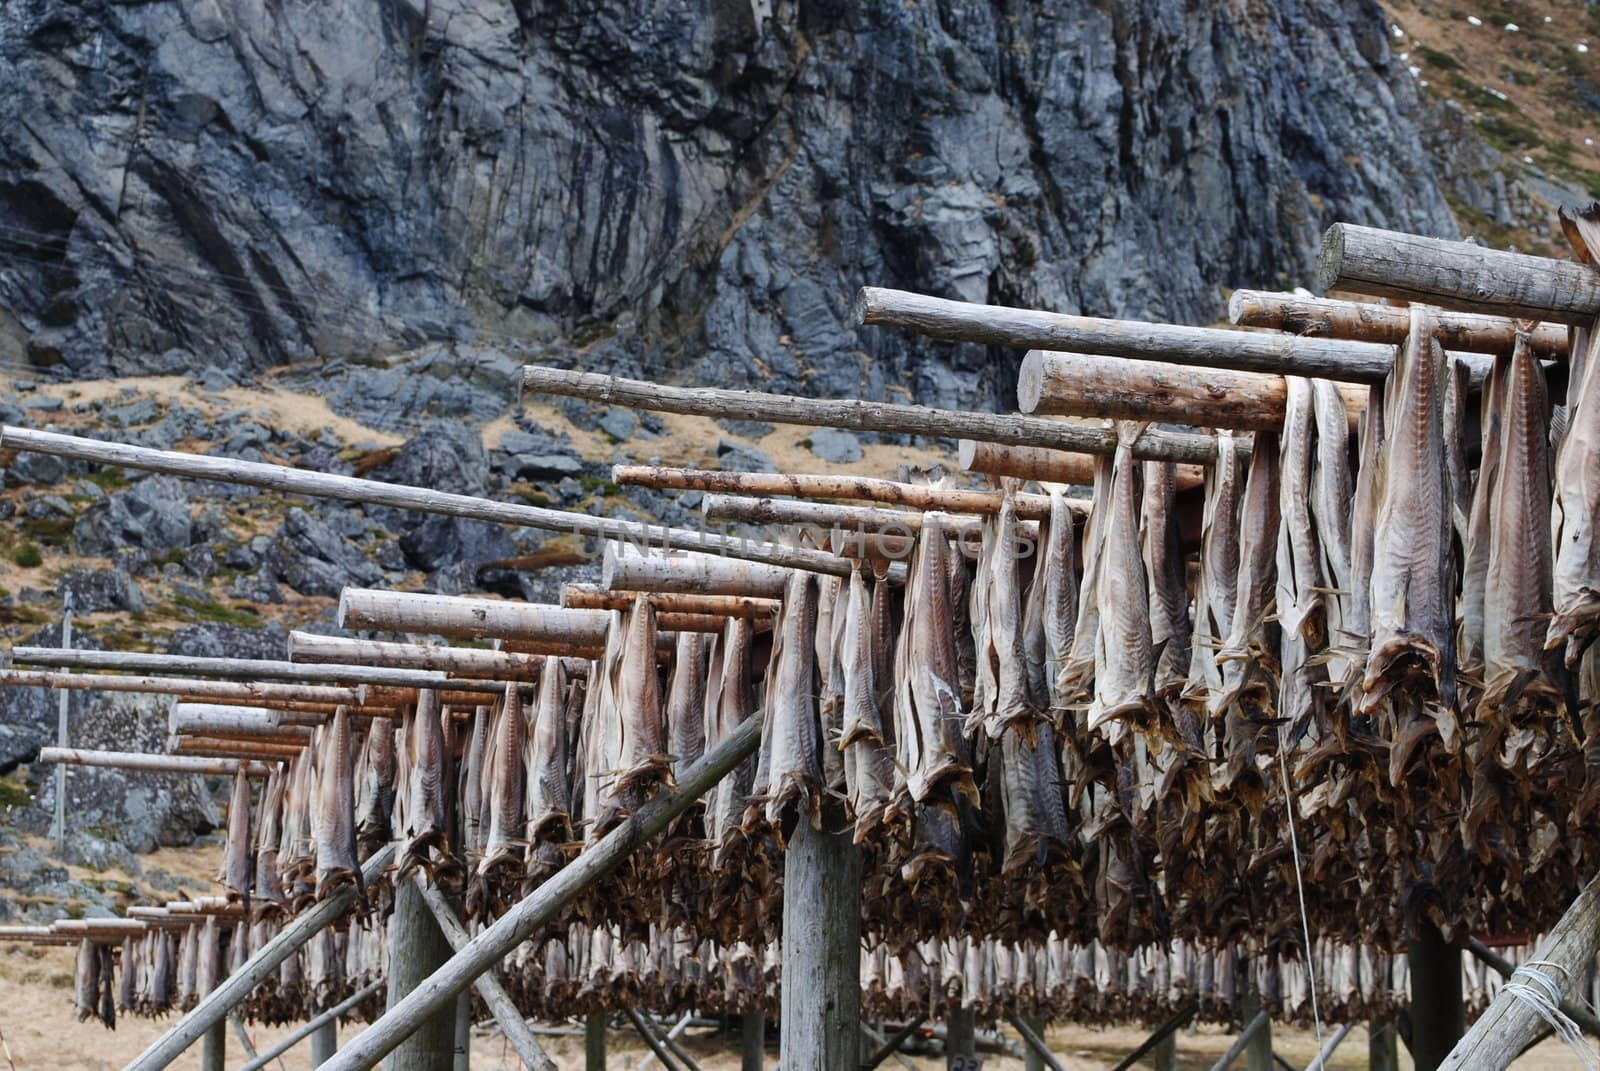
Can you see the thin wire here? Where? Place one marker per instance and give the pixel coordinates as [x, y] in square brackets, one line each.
[1305, 924]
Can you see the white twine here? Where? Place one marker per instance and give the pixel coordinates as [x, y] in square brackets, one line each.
[1305, 924]
[1540, 992]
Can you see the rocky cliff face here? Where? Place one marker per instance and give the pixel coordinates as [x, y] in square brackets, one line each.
[687, 187]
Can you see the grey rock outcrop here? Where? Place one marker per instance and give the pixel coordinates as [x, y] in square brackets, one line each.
[313, 559]
[693, 189]
[89, 590]
[152, 515]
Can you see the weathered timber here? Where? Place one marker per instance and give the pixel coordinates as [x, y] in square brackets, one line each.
[149, 763]
[495, 997]
[594, 1042]
[647, 1033]
[420, 499]
[1240, 1043]
[417, 948]
[1438, 1016]
[245, 669]
[463, 618]
[312, 1026]
[752, 1041]
[243, 691]
[826, 517]
[625, 567]
[1505, 968]
[891, 1044]
[547, 901]
[291, 712]
[1176, 1022]
[960, 1039]
[854, 488]
[1302, 314]
[214, 1048]
[213, 719]
[1325, 1053]
[216, 747]
[460, 662]
[868, 416]
[1034, 1042]
[214, 1006]
[325, 1039]
[1121, 388]
[594, 598]
[1510, 1022]
[1046, 466]
[1457, 275]
[821, 1017]
[1205, 347]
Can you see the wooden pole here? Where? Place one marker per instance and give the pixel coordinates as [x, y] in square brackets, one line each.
[891, 1045]
[321, 1025]
[1383, 1046]
[421, 499]
[1121, 388]
[246, 692]
[1166, 1030]
[1302, 314]
[897, 524]
[1324, 1054]
[1503, 967]
[753, 1041]
[417, 948]
[623, 567]
[470, 662]
[462, 1049]
[1438, 1016]
[218, 720]
[535, 910]
[1258, 1048]
[595, 598]
[960, 1039]
[215, 747]
[854, 488]
[214, 1007]
[214, 1047]
[1046, 466]
[868, 416]
[134, 760]
[495, 997]
[1206, 347]
[594, 1042]
[62, 738]
[821, 1019]
[464, 618]
[245, 669]
[1457, 275]
[646, 1032]
[1510, 1022]
[1257, 1023]
[1033, 1042]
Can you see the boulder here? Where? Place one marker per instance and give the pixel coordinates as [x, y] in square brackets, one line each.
[831, 444]
[152, 515]
[92, 590]
[736, 457]
[313, 559]
[445, 455]
[441, 541]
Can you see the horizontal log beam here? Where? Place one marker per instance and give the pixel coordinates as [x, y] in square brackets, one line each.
[404, 697]
[223, 691]
[624, 568]
[217, 747]
[1366, 321]
[210, 719]
[293, 713]
[920, 497]
[838, 520]
[1457, 275]
[470, 662]
[287, 480]
[1119, 388]
[150, 763]
[865, 416]
[1046, 466]
[594, 598]
[244, 668]
[1206, 347]
[462, 618]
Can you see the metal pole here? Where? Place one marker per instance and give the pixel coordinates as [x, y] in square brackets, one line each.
[61, 734]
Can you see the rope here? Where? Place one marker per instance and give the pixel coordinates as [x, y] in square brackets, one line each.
[1305, 923]
[1540, 992]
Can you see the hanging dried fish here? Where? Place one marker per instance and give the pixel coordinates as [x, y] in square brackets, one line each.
[832, 596]
[1413, 604]
[1124, 666]
[791, 743]
[337, 865]
[1332, 511]
[427, 840]
[1075, 677]
[86, 980]
[1300, 583]
[927, 705]
[1001, 697]
[549, 790]
[686, 734]
[237, 862]
[1218, 588]
[1475, 564]
[1162, 549]
[297, 848]
[734, 707]
[506, 770]
[1576, 574]
[1032, 798]
[208, 958]
[867, 748]
[473, 789]
[375, 786]
[642, 762]
[1052, 605]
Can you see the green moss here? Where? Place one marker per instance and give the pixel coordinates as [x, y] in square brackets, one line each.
[206, 610]
[1474, 95]
[13, 792]
[596, 485]
[25, 555]
[53, 531]
[1434, 58]
[109, 478]
[1508, 135]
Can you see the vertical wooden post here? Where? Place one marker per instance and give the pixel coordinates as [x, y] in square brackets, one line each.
[821, 1018]
[417, 949]
[1383, 1046]
[960, 1040]
[752, 1041]
[213, 1046]
[1165, 1055]
[62, 735]
[1031, 1059]
[1258, 1053]
[324, 1042]
[1438, 1017]
[594, 1042]
[464, 1030]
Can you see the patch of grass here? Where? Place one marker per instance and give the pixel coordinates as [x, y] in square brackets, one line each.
[1434, 58]
[25, 555]
[109, 478]
[1477, 96]
[175, 556]
[215, 612]
[1508, 135]
[593, 485]
[13, 792]
[52, 531]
